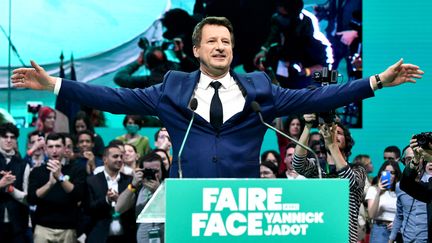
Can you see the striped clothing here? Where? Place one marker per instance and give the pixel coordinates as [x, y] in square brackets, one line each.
[356, 175]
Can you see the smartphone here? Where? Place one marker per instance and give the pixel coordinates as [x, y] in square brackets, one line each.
[386, 176]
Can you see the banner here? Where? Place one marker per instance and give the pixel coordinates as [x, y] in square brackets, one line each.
[258, 210]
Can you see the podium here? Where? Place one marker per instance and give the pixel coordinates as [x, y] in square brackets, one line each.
[250, 210]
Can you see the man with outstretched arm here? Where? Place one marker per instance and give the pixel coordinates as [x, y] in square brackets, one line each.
[226, 136]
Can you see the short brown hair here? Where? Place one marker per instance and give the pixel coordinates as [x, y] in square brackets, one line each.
[212, 20]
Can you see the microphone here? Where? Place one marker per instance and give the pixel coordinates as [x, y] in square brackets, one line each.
[257, 109]
[193, 106]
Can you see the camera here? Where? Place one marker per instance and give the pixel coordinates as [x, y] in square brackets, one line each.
[326, 76]
[423, 139]
[149, 174]
[33, 107]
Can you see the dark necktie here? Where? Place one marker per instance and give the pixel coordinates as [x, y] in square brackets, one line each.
[216, 111]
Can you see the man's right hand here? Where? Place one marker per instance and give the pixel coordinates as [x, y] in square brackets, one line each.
[33, 78]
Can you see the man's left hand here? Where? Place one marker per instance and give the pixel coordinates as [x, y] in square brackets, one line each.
[400, 73]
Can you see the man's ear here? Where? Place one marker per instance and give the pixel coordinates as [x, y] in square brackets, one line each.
[195, 51]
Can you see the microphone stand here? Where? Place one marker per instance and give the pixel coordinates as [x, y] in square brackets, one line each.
[193, 106]
[256, 107]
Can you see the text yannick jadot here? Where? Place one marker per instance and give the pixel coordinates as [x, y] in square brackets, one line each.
[252, 212]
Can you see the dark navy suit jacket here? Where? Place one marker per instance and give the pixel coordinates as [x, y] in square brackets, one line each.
[233, 152]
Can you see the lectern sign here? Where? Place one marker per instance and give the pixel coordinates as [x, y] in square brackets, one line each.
[250, 210]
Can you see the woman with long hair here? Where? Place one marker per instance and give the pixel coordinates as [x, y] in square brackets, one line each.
[381, 199]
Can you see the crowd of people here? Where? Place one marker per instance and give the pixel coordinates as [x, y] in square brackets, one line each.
[70, 188]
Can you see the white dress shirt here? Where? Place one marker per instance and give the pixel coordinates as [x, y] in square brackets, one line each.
[229, 93]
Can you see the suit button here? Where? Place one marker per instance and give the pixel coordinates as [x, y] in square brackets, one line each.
[215, 159]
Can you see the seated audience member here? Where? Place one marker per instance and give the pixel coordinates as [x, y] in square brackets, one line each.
[82, 123]
[103, 191]
[56, 188]
[339, 142]
[132, 124]
[86, 157]
[381, 200]
[35, 149]
[416, 182]
[165, 158]
[14, 173]
[46, 120]
[145, 182]
[268, 170]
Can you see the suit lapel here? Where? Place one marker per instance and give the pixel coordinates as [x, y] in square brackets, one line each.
[187, 89]
[247, 87]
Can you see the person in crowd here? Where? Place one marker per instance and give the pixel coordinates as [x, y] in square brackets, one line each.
[147, 179]
[35, 155]
[392, 153]
[411, 219]
[227, 132]
[86, 157]
[45, 122]
[163, 140]
[56, 188]
[82, 123]
[339, 142]
[103, 191]
[268, 169]
[293, 127]
[272, 156]
[179, 26]
[166, 159]
[132, 124]
[293, 49]
[290, 173]
[130, 159]
[381, 200]
[416, 182]
[14, 173]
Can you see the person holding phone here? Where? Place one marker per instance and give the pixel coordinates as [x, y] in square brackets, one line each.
[381, 199]
[147, 178]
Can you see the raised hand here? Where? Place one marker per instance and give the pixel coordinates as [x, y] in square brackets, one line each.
[33, 78]
[400, 73]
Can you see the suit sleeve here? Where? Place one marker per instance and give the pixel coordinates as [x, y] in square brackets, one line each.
[322, 99]
[419, 190]
[114, 100]
[96, 202]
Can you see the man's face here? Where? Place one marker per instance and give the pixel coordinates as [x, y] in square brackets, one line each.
[155, 165]
[7, 142]
[288, 158]
[85, 143]
[214, 51]
[55, 149]
[33, 139]
[409, 155]
[390, 156]
[113, 161]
